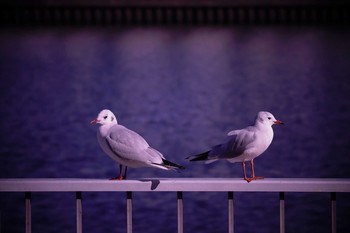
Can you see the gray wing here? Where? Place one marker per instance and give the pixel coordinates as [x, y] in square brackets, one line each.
[129, 145]
[237, 142]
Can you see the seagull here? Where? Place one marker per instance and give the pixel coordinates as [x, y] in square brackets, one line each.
[127, 147]
[243, 144]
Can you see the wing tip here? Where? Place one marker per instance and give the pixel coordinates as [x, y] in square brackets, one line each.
[172, 165]
[199, 157]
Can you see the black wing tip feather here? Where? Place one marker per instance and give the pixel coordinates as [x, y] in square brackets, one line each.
[199, 157]
[172, 165]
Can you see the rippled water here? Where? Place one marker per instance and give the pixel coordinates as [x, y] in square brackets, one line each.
[183, 89]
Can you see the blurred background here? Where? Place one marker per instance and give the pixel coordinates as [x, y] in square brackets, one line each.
[182, 74]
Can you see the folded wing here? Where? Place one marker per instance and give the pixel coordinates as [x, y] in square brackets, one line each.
[129, 145]
[238, 141]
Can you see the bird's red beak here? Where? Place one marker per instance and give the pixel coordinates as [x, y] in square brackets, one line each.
[278, 122]
[94, 121]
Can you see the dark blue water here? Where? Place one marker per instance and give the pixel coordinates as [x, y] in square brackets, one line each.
[183, 89]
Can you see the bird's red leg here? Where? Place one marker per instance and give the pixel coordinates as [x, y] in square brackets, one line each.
[245, 174]
[120, 172]
[253, 171]
[120, 177]
[126, 168]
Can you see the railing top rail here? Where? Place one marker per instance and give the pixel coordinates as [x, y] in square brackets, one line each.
[176, 184]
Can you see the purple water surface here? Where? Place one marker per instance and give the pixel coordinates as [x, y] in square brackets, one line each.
[182, 89]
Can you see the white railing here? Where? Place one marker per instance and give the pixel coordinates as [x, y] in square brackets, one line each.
[179, 186]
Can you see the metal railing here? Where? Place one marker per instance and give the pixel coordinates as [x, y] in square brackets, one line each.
[178, 186]
[128, 15]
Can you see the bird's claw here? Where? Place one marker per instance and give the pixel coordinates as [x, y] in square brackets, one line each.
[253, 178]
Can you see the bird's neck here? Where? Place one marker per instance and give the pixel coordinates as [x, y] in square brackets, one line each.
[266, 130]
[264, 127]
[104, 128]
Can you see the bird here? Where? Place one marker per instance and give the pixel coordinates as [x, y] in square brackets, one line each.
[127, 147]
[243, 145]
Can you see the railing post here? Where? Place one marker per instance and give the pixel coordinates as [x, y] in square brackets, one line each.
[129, 212]
[180, 223]
[334, 212]
[230, 213]
[79, 212]
[28, 197]
[282, 213]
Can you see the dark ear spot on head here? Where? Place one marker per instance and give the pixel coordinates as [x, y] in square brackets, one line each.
[112, 118]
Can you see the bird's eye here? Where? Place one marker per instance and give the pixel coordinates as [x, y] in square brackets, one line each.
[105, 117]
[269, 118]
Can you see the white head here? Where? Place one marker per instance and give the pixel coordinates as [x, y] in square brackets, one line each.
[266, 118]
[105, 117]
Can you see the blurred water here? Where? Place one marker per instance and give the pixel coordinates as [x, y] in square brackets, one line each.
[183, 89]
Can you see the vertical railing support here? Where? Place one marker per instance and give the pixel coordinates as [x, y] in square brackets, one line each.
[230, 213]
[79, 212]
[28, 197]
[282, 213]
[129, 212]
[180, 222]
[334, 212]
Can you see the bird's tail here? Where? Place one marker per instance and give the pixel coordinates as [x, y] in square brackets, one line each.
[199, 157]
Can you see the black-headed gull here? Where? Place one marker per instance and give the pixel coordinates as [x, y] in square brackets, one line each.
[244, 144]
[127, 147]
